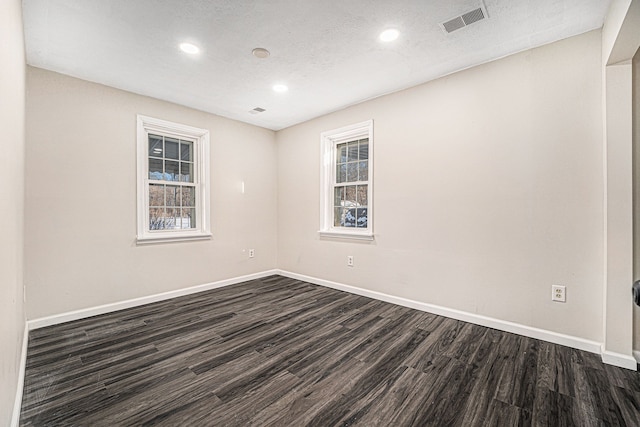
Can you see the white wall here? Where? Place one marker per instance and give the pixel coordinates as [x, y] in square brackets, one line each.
[12, 100]
[621, 41]
[613, 24]
[80, 248]
[488, 190]
[636, 191]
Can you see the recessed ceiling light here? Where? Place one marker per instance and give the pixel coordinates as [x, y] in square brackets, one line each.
[389, 35]
[189, 48]
[280, 88]
[260, 52]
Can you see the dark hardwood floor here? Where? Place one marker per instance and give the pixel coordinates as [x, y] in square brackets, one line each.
[281, 352]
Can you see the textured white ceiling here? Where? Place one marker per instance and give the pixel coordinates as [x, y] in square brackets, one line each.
[326, 51]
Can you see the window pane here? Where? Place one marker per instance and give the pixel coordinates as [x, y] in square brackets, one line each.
[352, 172]
[338, 196]
[188, 196]
[362, 195]
[171, 170]
[186, 172]
[187, 219]
[361, 214]
[341, 173]
[342, 153]
[344, 217]
[171, 148]
[186, 151]
[170, 218]
[173, 195]
[338, 220]
[353, 151]
[156, 195]
[364, 149]
[349, 217]
[155, 169]
[363, 171]
[156, 219]
[155, 145]
[350, 196]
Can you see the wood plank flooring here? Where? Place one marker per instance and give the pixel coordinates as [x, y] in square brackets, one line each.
[281, 352]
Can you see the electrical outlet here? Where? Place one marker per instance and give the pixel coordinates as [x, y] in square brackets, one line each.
[350, 261]
[558, 293]
[252, 253]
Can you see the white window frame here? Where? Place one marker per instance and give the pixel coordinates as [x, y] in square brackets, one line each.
[328, 142]
[146, 125]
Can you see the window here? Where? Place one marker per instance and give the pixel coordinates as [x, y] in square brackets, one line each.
[173, 181]
[346, 179]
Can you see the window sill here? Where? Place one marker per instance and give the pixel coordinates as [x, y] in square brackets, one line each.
[346, 235]
[150, 240]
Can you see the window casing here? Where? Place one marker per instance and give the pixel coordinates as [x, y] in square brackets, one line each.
[173, 181]
[346, 182]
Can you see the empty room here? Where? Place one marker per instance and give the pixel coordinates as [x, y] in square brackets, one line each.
[323, 213]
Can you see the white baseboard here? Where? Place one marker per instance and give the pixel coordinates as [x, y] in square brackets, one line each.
[636, 355]
[108, 308]
[619, 359]
[17, 405]
[611, 358]
[502, 325]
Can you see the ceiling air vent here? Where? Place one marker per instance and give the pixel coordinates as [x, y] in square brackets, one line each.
[465, 19]
[257, 110]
